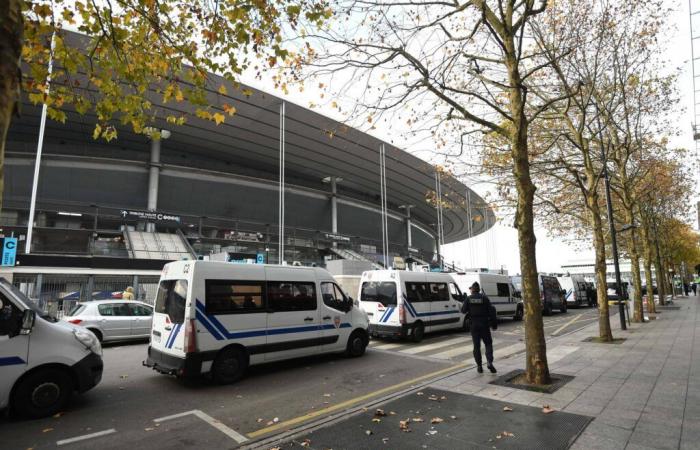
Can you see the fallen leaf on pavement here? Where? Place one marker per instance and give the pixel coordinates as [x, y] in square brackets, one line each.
[443, 398]
[123, 376]
[376, 420]
[508, 434]
[380, 413]
[547, 410]
[306, 443]
[435, 420]
[276, 448]
[418, 419]
[433, 398]
[57, 415]
[259, 420]
[419, 393]
[46, 430]
[270, 423]
[368, 432]
[326, 395]
[149, 429]
[431, 432]
[507, 408]
[392, 413]
[403, 425]
[276, 419]
[385, 440]
[453, 417]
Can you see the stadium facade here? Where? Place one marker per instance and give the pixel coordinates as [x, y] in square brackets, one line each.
[133, 203]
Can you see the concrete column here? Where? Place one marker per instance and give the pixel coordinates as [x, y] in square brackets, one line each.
[334, 205]
[153, 175]
[409, 239]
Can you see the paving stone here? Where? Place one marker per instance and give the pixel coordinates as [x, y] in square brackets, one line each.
[654, 440]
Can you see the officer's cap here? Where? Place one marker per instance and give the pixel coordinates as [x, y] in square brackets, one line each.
[475, 286]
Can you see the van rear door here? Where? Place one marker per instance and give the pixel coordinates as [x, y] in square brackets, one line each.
[379, 300]
[168, 330]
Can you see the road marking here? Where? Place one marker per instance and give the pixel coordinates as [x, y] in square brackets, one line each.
[386, 346]
[210, 420]
[454, 352]
[348, 403]
[567, 323]
[85, 437]
[425, 348]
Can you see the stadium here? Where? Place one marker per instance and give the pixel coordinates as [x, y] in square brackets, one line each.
[119, 210]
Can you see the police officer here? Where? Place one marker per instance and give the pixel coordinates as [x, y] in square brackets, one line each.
[482, 315]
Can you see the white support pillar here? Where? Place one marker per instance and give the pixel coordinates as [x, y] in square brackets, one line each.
[281, 183]
[334, 205]
[154, 172]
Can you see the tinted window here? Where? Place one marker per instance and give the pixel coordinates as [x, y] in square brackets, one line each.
[291, 296]
[417, 292]
[503, 290]
[333, 296]
[231, 297]
[171, 299]
[383, 292]
[455, 292]
[140, 310]
[76, 309]
[114, 309]
[439, 292]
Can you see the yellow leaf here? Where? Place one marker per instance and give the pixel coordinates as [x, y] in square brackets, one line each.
[178, 95]
[218, 118]
[222, 90]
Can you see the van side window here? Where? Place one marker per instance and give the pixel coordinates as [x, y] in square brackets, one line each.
[291, 296]
[439, 292]
[10, 318]
[332, 296]
[455, 293]
[171, 299]
[233, 297]
[503, 290]
[417, 292]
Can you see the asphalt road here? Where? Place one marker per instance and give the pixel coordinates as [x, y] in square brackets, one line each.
[133, 405]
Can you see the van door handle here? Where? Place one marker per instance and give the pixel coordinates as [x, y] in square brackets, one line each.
[168, 328]
[447, 306]
[327, 318]
[308, 319]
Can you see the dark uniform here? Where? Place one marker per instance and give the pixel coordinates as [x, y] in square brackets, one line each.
[483, 316]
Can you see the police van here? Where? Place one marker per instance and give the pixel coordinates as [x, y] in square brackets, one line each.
[407, 304]
[42, 361]
[497, 288]
[219, 318]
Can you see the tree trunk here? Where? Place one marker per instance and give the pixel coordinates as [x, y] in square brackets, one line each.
[536, 367]
[638, 315]
[604, 329]
[647, 253]
[11, 31]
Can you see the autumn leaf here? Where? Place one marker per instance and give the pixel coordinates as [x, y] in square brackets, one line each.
[547, 410]
[222, 90]
[507, 408]
[435, 420]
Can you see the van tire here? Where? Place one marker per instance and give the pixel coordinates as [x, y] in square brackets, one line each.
[229, 365]
[43, 393]
[357, 344]
[418, 332]
[97, 334]
[547, 309]
[518, 313]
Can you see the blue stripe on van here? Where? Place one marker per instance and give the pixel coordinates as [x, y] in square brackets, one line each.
[204, 321]
[410, 307]
[11, 361]
[220, 328]
[173, 335]
[388, 314]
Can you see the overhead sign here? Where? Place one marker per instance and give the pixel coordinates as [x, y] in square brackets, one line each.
[9, 251]
[151, 216]
[337, 237]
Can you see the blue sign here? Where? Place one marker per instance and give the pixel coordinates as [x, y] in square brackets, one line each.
[260, 259]
[9, 251]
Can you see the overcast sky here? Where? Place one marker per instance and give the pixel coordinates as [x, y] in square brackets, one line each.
[498, 247]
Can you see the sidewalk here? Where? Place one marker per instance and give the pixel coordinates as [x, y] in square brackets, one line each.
[643, 393]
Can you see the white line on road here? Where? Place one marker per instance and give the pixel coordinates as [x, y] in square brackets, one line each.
[387, 346]
[436, 345]
[85, 437]
[210, 420]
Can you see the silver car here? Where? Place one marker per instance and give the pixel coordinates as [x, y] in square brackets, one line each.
[113, 320]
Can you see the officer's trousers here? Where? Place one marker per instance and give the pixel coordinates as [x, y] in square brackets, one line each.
[482, 332]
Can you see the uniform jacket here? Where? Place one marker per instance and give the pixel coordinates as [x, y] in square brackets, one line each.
[478, 308]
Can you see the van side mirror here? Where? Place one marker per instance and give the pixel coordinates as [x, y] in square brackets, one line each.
[28, 319]
[349, 303]
[517, 294]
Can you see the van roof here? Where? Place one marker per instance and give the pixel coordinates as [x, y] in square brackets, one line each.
[319, 270]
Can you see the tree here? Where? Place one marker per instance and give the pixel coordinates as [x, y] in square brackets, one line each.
[130, 48]
[467, 68]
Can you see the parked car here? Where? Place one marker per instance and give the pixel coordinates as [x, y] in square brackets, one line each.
[113, 320]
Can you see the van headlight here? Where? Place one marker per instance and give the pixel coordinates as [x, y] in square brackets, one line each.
[89, 340]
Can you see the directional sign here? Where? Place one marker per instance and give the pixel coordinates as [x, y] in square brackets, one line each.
[151, 216]
[9, 251]
[260, 259]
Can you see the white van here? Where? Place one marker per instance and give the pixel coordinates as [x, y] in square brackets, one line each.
[219, 318]
[409, 304]
[575, 290]
[42, 361]
[497, 288]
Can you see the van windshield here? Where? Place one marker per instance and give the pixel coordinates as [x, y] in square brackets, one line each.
[383, 292]
[171, 299]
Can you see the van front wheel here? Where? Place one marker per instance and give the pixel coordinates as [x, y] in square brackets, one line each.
[357, 344]
[518, 313]
[229, 365]
[43, 393]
